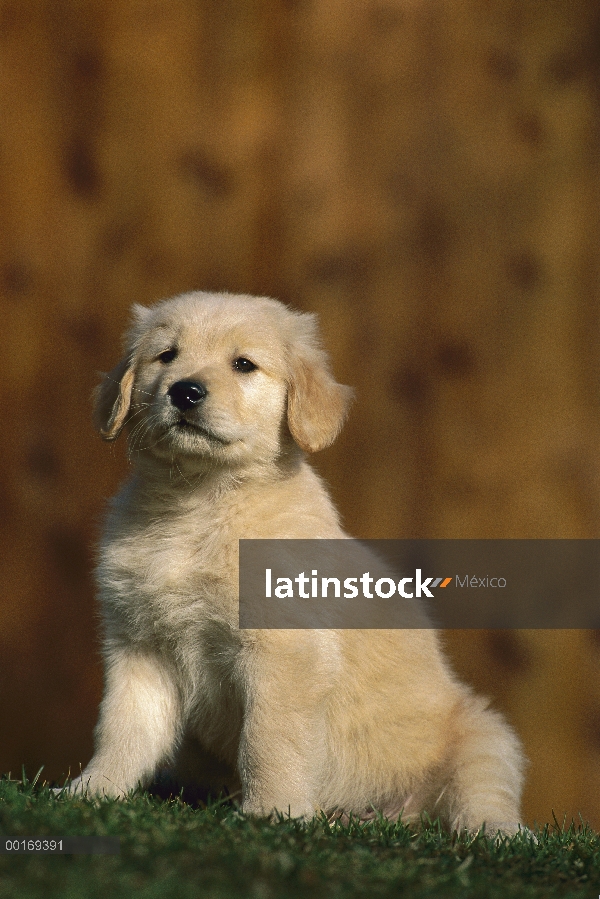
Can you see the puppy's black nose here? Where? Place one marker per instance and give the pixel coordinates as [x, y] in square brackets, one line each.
[186, 394]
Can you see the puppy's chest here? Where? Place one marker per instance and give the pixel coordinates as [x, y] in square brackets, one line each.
[166, 580]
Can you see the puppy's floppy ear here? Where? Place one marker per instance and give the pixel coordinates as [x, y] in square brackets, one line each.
[316, 405]
[112, 399]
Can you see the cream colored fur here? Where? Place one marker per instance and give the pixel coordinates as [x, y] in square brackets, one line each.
[341, 721]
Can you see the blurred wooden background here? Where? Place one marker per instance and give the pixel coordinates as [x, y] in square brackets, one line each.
[422, 173]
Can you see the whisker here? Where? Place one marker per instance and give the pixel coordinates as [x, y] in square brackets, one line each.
[114, 381]
[156, 442]
[183, 476]
[140, 425]
[138, 434]
[133, 414]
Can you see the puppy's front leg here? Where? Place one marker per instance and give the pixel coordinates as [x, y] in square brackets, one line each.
[138, 725]
[277, 768]
[283, 745]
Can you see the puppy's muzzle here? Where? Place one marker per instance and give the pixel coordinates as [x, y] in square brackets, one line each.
[185, 395]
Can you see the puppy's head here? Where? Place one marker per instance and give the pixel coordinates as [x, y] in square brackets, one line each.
[221, 377]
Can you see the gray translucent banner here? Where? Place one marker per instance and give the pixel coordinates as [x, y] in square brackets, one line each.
[419, 583]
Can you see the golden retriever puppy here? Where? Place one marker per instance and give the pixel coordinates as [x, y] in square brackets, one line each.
[223, 396]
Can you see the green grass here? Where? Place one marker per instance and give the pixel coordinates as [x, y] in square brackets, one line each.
[169, 849]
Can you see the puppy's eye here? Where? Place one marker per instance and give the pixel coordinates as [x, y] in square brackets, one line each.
[244, 365]
[167, 356]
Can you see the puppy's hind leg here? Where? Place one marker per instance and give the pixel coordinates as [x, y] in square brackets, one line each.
[486, 773]
[138, 725]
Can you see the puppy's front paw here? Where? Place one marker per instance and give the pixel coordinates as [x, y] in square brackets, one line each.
[497, 830]
[91, 785]
[303, 810]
